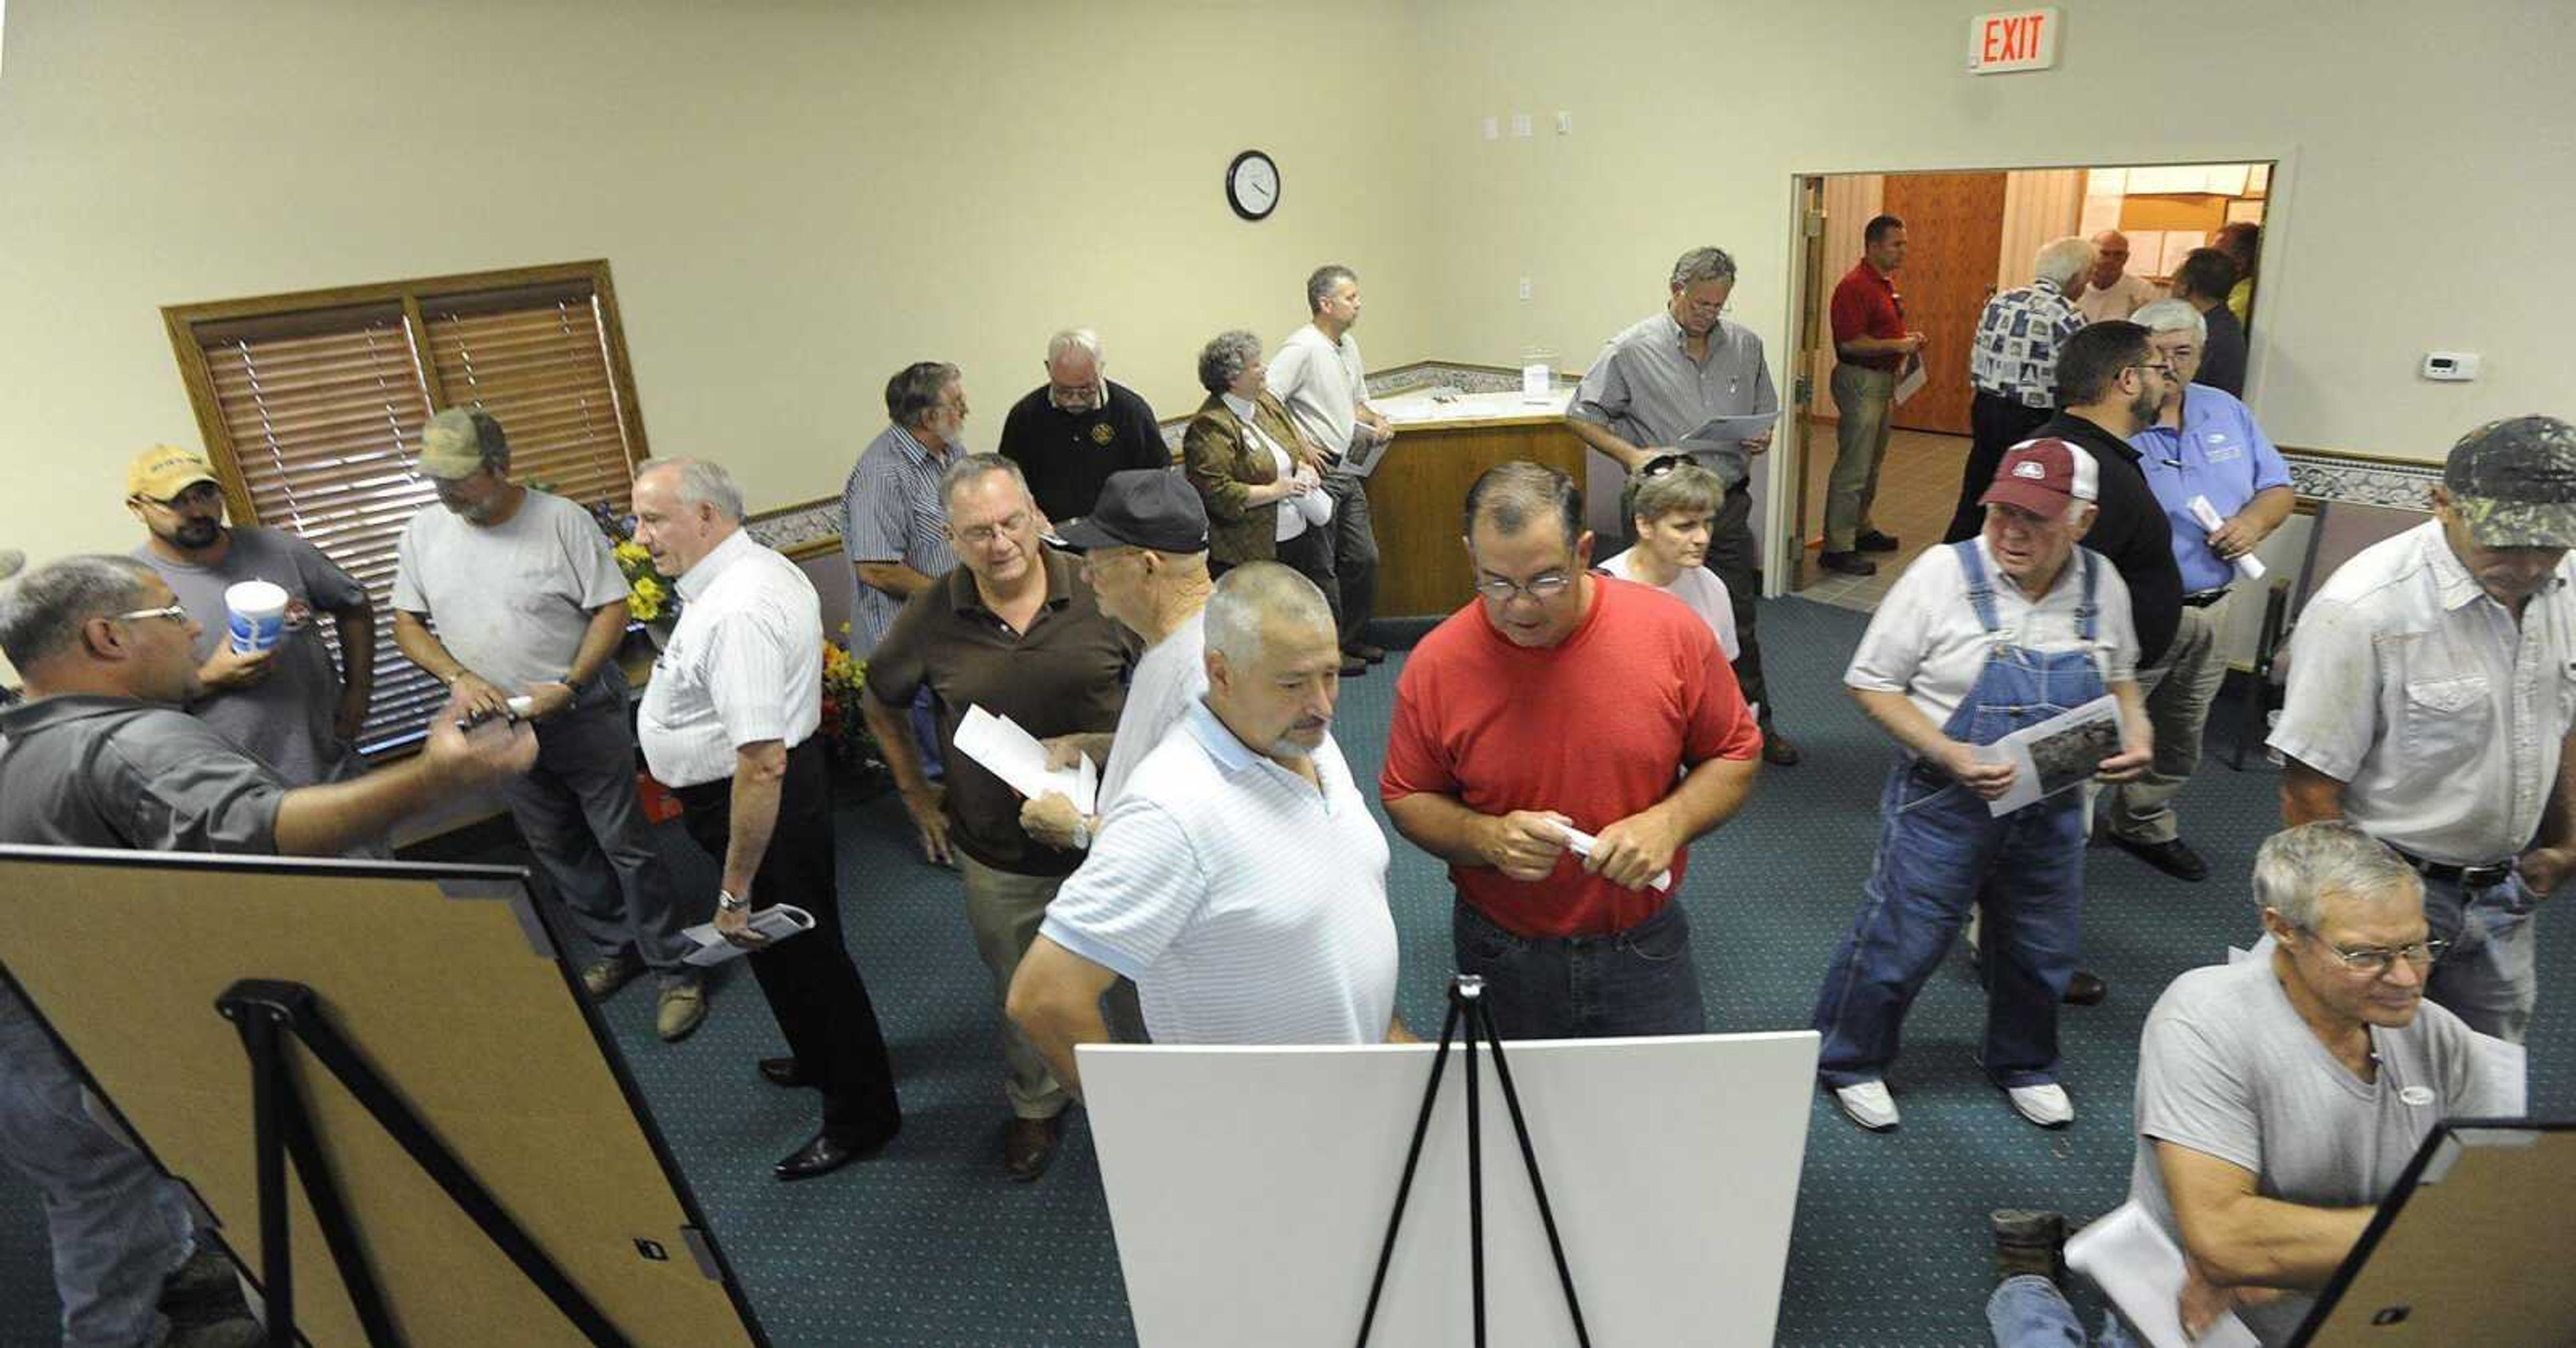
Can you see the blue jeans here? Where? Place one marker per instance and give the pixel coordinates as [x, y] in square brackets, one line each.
[2029, 1312]
[1938, 852]
[1640, 981]
[2488, 978]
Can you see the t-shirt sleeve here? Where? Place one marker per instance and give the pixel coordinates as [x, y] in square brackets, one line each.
[407, 596]
[1719, 724]
[2193, 1091]
[1602, 397]
[746, 669]
[1766, 396]
[2118, 626]
[897, 664]
[2270, 470]
[1135, 894]
[1289, 369]
[2330, 711]
[873, 508]
[179, 787]
[593, 558]
[1416, 761]
[333, 590]
[1850, 312]
[1891, 650]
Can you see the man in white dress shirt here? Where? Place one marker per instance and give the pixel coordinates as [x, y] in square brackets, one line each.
[2432, 689]
[1241, 880]
[728, 722]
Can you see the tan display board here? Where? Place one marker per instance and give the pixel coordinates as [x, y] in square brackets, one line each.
[447, 981]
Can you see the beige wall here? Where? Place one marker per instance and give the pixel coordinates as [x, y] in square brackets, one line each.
[796, 198]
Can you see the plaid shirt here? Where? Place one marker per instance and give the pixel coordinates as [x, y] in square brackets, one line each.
[2018, 338]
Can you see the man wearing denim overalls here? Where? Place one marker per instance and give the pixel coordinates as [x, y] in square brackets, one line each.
[1979, 639]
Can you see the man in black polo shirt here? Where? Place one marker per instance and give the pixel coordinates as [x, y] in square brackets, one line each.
[1077, 428]
[1012, 630]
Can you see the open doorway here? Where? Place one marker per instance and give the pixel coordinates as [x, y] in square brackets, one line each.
[1969, 235]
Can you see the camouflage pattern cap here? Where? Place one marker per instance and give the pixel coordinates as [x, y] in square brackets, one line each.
[2514, 483]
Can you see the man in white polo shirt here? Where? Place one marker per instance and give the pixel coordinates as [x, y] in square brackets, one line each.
[1240, 880]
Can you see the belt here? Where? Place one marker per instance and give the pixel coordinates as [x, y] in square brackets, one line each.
[2469, 877]
[2205, 598]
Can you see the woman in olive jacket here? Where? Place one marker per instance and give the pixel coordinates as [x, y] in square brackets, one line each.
[1226, 452]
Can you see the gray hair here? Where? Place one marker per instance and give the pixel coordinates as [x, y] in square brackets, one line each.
[2171, 316]
[1703, 264]
[42, 613]
[699, 482]
[1224, 359]
[2062, 260]
[913, 394]
[1252, 598]
[1083, 340]
[970, 468]
[1511, 494]
[1320, 283]
[1684, 487]
[2296, 868]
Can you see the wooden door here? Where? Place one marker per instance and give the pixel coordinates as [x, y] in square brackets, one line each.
[1815, 329]
[1954, 230]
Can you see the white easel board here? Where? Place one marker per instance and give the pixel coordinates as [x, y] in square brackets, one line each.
[1249, 1189]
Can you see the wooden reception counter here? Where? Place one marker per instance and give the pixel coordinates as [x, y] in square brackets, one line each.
[1441, 445]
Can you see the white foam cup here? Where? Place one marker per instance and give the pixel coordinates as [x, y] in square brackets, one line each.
[258, 611]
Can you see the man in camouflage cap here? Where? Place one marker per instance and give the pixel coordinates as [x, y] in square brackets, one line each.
[2432, 688]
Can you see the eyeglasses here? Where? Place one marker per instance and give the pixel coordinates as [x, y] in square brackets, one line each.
[2376, 960]
[981, 534]
[201, 494]
[1540, 589]
[2164, 368]
[175, 613]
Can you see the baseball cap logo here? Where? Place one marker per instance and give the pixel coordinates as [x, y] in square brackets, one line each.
[2030, 468]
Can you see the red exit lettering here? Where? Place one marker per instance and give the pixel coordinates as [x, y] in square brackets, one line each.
[2013, 39]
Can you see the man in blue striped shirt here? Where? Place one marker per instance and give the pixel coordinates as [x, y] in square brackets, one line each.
[894, 522]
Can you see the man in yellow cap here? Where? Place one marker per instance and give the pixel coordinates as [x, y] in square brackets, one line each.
[289, 704]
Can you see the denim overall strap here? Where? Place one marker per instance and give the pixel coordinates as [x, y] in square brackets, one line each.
[2090, 606]
[1981, 591]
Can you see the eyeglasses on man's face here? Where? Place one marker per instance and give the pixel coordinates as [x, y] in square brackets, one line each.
[2374, 961]
[174, 612]
[1539, 588]
[977, 535]
[198, 496]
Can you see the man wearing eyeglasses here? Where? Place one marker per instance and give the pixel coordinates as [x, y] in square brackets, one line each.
[1070, 433]
[2432, 693]
[2279, 1098]
[1014, 631]
[1561, 701]
[288, 704]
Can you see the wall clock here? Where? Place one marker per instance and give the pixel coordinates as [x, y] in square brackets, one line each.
[1252, 185]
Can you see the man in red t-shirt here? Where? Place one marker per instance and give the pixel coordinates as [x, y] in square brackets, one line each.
[1871, 347]
[1559, 700]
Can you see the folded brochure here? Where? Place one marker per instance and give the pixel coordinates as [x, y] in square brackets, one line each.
[777, 922]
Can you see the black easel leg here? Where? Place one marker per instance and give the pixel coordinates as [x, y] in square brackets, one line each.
[339, 1234]
[269, 1091]
[1538, 1187]
[1476, 1163]
[1412, 1159]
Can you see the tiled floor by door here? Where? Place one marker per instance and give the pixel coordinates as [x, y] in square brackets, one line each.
[1918, 487]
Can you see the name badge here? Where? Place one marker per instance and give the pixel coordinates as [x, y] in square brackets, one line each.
[2416, 1096]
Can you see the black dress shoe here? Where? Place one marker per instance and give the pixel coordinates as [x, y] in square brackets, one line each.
[783, 1072]
[2085, 989]
[1028, 1147]
[1375, 655]
[1873, 541]
[2174, 857]
[1353, 666]
[1779, 750]
[1848, 563]
[822, 1155]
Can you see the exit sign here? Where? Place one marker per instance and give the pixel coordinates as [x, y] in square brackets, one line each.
[2019, 39]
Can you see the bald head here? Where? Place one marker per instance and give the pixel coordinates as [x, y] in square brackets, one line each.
[2110, 257]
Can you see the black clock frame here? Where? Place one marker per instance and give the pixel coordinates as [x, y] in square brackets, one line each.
[1235, 201]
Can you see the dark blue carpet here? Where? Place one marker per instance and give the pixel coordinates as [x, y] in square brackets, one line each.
[930, 1244]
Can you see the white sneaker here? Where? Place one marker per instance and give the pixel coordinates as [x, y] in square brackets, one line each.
[2046, 1105]
[1868, 1104]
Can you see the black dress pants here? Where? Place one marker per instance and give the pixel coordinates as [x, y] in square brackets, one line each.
[812, 985]
[1995, 425]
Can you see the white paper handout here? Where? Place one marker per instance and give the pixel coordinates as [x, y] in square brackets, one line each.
[2249, 566]
[1581, 844]
[1003, 749]
[1727, 432]
[777, 922]
[2138, 1267]
[2061, 752]
[1910, 380]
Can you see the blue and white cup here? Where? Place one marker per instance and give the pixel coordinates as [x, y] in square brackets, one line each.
[258, 611]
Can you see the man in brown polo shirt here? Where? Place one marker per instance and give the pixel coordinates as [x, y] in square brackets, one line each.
[1015, 631]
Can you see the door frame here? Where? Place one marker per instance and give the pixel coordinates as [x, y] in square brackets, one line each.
[1803, 318]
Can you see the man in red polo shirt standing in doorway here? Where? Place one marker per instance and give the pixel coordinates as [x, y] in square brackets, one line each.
[1564, 712]
[1871, 346]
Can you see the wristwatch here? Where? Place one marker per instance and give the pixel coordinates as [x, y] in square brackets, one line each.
[727, 903]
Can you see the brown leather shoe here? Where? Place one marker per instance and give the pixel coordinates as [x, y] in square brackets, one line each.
[1028, 1147]
[1779, 750]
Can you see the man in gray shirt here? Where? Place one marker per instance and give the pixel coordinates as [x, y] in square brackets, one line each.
[288, 705]
[529, 603]
[101, 756]
[1664, 378]
[2280, 1098]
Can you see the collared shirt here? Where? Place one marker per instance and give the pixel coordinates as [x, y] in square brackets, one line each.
[2018, 338]
[2441, 716]
[2217, 452]
[512, 601]
[1927, 642]
[1248, 905]
[1065, 675]
[285, 719]
[2119, 299]
[2130, 531]
[892, 510]
[1170, 678]
[1648, 391]
[1066, 456]
[1866, 304]
[82, 770]
[744, 664]
[1322, 384]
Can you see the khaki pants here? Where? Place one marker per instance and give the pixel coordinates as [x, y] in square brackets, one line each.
[1862, 398]
[2178, 693]
[1003, 911]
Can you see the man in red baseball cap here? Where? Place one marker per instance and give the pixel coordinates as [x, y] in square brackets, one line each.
[1979, 639]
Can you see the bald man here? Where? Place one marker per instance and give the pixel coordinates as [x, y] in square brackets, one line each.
[2110, 291]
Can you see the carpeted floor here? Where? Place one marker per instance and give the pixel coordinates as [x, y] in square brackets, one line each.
[929, 1244]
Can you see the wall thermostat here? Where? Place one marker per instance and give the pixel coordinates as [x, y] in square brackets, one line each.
[2450, 366]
